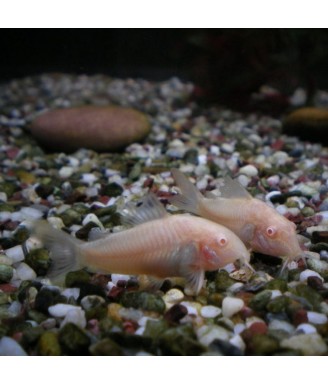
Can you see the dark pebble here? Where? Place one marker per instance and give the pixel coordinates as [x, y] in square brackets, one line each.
[262, 344]
[44, 190]
[319, 247]
[278, 304]
[46, 298]
[279, 284]
[106, 347]
[48, 344]
[175, 313]
[315, 282]
[223, 281]
[74, 340]
[112, 190]
[191, 156]
[260, 300]
[310, 295]
[281, 199]
[224, 348]
[319, 237]
[83, 233]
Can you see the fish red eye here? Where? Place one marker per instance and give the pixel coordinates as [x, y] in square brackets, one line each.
[222, 240]
[271, 231]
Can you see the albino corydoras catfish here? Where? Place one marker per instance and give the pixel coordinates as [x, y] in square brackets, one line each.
[159, 245]
[258, 225]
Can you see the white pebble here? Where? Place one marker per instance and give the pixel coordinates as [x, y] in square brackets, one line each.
[231, 305]
[282, 325]
[117, 277]
[65, 172]
[71, 292]
[227, 148]
[249, 170]
[208, 333]
[25, 272]
[202, 159]
[31, 213]
[235, 287]
[239, 328]
[92, 218]
[210, 311]
[238, 342]
[10, 347]
[275, 293]
[215, 150]
[193, 308]
[316, 317]
[15, 253]
[75, 316]
[280, 158]
[306, 328]
[173, 296]
[243, 180]
[282, 209]
[60, 310]
[5, 215]
[309, 273]
[89, 178]
[3, 196]
[273, 180]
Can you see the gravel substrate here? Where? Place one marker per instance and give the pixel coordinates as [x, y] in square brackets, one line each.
[96, 314]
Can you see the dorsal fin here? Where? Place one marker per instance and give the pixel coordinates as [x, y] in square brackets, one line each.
[148, 209]
[232, 189]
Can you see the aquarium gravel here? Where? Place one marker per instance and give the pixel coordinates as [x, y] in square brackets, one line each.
[236, 313]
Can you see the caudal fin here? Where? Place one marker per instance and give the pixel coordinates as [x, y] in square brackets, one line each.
[189, 198]
[64, 249]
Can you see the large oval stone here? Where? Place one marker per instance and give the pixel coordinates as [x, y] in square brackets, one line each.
[308, 123]
[99, 128]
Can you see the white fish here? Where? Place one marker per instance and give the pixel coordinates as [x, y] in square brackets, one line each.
[159, 245]
[258, 225]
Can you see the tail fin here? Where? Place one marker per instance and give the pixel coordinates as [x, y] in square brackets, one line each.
[64, 249]
[190, 196]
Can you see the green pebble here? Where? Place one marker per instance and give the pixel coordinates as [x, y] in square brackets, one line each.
[106, 211]
[6, 273]
[73, 339]
[308, 293]
[223, 281]
[70, 217]
[4, 207]
[21, 234]
[143, 300]
[106, 347]
[49, 345]
[37, 316]
[261, 345]
[39, 260]
[308, 211]
[155, 328]
[112, 190]
[135, 172]
[31, 336]
[7, 188]
[279, 284]
[278, 304]
[75, 278]
[4, 298]
[260, 300]
[180, 341]
[191, 156]
[319, 266]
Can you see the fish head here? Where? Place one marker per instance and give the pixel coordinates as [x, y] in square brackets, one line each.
[276, 236]
[222, 248]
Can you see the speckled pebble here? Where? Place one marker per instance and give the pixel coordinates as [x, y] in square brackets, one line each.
[173, 296]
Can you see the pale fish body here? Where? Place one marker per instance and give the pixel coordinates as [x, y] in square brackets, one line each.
[258, 225]
[159, 245]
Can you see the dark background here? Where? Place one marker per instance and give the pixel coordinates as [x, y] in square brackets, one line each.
[227, 65]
